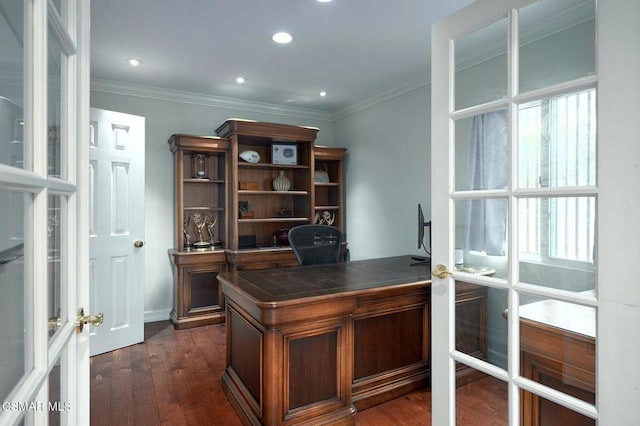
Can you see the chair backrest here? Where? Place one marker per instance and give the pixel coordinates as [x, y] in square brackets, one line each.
[315, 244]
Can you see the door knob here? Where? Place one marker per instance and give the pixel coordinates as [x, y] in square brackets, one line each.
[441, 272]
[82, 319]
[55, 322]
[138, 244]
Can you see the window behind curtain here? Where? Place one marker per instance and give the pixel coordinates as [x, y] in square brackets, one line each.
[557, 143]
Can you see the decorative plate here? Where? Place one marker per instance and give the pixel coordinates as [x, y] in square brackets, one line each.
[250, 156]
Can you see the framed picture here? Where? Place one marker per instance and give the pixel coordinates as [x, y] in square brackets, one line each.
[284, 153]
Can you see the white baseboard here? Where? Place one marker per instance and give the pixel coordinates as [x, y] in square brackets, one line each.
[158, 315]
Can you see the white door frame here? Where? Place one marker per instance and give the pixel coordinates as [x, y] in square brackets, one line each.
[80, 386]
[618, 350]
[618, 302]
[30, 399]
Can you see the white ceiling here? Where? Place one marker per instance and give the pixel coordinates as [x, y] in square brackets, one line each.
[353, 49]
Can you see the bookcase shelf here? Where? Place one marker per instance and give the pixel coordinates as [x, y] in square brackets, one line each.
[199, 254]
[329, 196]
[261, 201]
[270, 166]
[213, 191]
[275, 193]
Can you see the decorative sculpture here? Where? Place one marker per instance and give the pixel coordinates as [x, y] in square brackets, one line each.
[185, 231]
[211, 222]
[200, 223]
[327, 218]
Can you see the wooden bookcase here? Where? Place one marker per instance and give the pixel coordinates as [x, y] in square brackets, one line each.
[329, 186]
[243, 241]
[201, 215]
[251, 242]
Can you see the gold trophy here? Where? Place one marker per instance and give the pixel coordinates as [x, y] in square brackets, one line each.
[200, 223]
[211, 223]
[327, 218]
[185, 231]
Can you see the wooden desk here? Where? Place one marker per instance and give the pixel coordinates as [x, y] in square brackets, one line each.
[315, 343]
[557, 349]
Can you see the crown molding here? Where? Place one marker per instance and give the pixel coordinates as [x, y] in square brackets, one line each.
[392, 92]
[127, 89]
[156, 93]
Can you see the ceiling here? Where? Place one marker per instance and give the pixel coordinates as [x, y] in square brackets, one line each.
[352, 49]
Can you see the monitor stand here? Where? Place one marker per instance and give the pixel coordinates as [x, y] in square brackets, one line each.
[421, 260]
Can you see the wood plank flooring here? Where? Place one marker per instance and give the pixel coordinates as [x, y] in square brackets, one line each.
[174, 378]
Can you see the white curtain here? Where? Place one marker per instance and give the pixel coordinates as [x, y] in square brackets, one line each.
[489, 169]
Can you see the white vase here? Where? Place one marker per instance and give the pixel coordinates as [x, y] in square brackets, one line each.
[281, 182]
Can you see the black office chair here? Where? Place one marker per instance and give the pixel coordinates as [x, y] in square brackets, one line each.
[315, 244]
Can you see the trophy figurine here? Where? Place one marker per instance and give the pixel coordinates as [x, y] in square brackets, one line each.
[211, 222]
[185, 231]
[200, 223]
[52, 224]
[52, 238]
[327, 218]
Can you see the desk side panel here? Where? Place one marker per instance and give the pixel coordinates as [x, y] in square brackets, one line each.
[244, 363]
[313, 363]
[387, 342]
[390, 346]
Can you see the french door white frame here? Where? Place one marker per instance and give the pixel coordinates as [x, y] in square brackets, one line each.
[79, 386]
[618, 290]
[66, 349]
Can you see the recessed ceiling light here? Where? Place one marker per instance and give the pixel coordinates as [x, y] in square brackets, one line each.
[240, 80]
[134, 62]
[323, 93]
[323, 1]
[282, 38]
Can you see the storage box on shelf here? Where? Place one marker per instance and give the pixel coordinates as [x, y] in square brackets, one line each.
[201, 188]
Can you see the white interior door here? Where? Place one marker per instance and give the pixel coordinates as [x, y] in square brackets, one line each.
[116, 229]
[532, 172]
[43, 104]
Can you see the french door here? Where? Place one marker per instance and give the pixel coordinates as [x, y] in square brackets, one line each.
[44, 94]
[534, 180]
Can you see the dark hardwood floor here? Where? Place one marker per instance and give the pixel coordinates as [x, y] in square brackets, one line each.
[174, 378]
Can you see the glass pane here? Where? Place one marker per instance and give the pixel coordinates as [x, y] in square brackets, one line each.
[557, 343]
[55, 404]
[11, 84]
[481, 233]
[53, 264]
[557, 242]
[481, 65]
[550, 413]
[482, 152]
[481, 401]
[13, 350]
[54, 105]
[57, 4]
[557, 141]
[557, 42]
[481, 329]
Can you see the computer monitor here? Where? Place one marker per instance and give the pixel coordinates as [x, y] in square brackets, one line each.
[421, 225]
